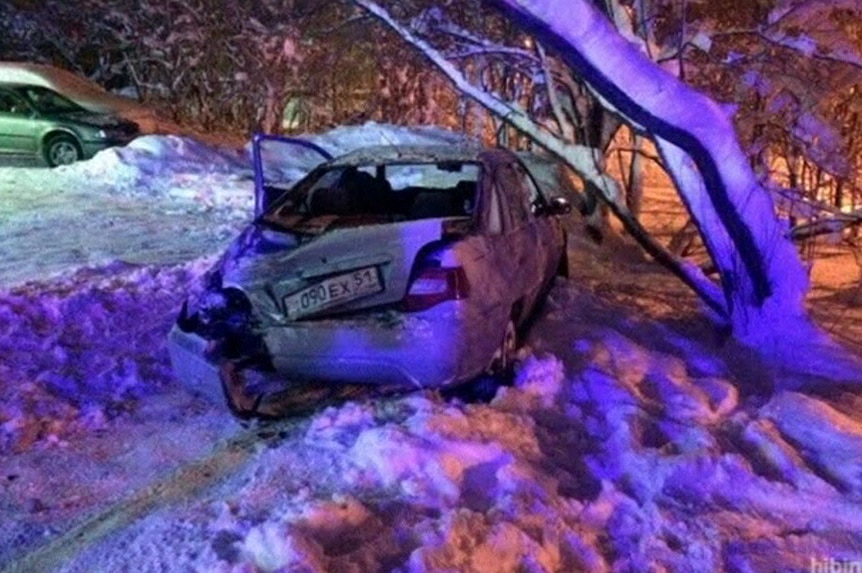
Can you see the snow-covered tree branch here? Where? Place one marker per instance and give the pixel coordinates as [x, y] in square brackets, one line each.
[584, 160]
[761, 275]
[762, 278]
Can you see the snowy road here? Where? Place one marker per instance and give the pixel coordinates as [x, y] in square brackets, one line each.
[54, 225]
[634, 439]
[192, 480]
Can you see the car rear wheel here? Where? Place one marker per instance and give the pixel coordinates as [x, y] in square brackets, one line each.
[503, 362]
[62, 150]
[484, 387]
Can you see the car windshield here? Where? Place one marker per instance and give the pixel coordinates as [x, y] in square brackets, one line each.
[352, 195]
[48, 101]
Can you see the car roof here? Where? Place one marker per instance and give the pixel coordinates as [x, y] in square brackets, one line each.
[75, 87]
[49, 76]
[18, 85]
[381, 154]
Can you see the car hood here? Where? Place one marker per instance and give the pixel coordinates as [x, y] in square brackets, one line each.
[147, 120]
[270, 264]
[92, 118]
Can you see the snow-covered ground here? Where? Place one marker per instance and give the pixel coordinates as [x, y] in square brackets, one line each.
[635, 438]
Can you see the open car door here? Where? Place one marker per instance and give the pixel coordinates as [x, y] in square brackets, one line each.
[279, 162]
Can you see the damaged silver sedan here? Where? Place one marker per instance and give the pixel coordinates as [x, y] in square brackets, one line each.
[401, 267]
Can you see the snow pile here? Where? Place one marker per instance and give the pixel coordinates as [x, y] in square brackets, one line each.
[347, 138]
[181, 167]
[173, 166]
[829, 441]
[75, 353]
[623, 458]
[154, 155]
[609, 454]
[290, 163]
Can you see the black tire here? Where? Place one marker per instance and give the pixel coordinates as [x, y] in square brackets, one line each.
[501, 371]
[481, 389]
[503, 363]
[62, 150]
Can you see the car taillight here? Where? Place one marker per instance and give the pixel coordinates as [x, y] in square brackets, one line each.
[434, 285]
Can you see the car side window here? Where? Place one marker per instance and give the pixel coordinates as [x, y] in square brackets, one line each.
[10, 104]
[537, 199]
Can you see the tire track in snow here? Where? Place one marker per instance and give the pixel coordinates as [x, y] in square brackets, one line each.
[184, 483]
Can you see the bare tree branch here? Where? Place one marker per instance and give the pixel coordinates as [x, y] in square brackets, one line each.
[566, 129]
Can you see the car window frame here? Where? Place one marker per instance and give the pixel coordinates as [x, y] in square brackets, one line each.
[301, 193]
[69, 106]
[538, 201]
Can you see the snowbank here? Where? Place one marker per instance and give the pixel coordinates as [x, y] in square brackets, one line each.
[606, 454]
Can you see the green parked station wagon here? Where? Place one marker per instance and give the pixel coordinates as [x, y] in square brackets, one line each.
[37, 121]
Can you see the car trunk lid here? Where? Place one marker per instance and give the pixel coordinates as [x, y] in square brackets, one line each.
[339, 270]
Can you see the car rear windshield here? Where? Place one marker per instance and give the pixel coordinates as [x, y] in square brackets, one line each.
[380, 193]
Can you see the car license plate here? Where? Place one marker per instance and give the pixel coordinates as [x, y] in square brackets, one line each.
[333, 291]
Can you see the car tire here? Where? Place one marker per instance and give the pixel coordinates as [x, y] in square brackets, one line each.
[503, 362]
[483, 388]
[62, 150]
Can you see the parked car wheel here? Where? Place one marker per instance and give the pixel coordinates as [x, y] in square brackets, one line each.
[62, 150]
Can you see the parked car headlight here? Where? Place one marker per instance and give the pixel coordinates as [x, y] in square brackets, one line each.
[114, 132]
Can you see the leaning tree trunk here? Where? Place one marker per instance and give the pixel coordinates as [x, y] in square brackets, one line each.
[762, 277]
[585, 161]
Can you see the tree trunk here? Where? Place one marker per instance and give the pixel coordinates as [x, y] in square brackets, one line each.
[763, 280]
[635, 190]
[585, 161]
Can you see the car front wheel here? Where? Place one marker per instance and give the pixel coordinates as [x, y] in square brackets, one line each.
[62, 150]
